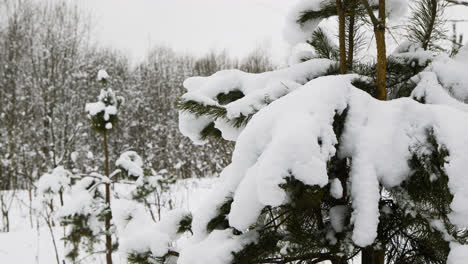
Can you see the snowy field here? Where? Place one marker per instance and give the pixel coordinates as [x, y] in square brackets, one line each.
[29, 239]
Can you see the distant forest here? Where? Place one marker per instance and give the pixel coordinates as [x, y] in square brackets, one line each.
[48, 67]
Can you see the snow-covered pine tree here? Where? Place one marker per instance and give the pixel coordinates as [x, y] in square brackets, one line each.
[89, 215]
[103, 116]
[130, 213]
[51, 187]
[323, 171]
[149, 186]
[90, 204]
[83, 216]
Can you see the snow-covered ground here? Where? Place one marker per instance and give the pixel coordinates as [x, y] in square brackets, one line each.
[29, 240]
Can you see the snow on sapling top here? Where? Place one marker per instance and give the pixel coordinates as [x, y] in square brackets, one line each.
[82, 202]
[103, 113]
[132, 163]
[205, 101]
[53, 183]
[102, 76]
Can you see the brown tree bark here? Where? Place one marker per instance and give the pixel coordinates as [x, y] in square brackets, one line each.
[381, 65]
[379, 31]
[351, 30]
[108, 215]
[342, 34]
[381, 53]
[371, 256]
[339, 261]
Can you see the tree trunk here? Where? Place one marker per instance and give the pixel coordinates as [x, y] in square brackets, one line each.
[379, 30]
[49, 225]
[351, 30]
[339, 261]
[108, 214]
[381, 65]
[379, 257]
[371, 256]
[342, 35]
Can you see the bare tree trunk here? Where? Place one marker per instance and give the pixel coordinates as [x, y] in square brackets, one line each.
[379, 257]
[6, 221]
[37, 240]
[351, 31]
[342, 35]
[379, 30]
[367, 256]
[339, 261]
[158, 204]
[381, 54]
[30, 204]
[49, 225]
[148, 206]
[381, 66]
[64, 230]
[371, 256]
[108, 215]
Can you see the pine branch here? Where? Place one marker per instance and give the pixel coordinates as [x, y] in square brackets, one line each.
[313, 258]
[427, 23]
[370, 12]
[457, 2]
[427, 36]
[199, 109]
[328, 9]
[323, 45]
[211, 111]
[214, 112]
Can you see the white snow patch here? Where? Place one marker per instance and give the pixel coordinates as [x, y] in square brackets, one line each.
[258, 89]
[282, 140]
[216, 248]
[102, 75]
[337, 217]
[131, 162]
[458, 254]
[336, 189]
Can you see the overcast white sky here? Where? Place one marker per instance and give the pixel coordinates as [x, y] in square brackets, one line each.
[196, 26]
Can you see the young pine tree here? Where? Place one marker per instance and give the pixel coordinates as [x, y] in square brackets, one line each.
[90, 203]
[50, 188]
[328, 172]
